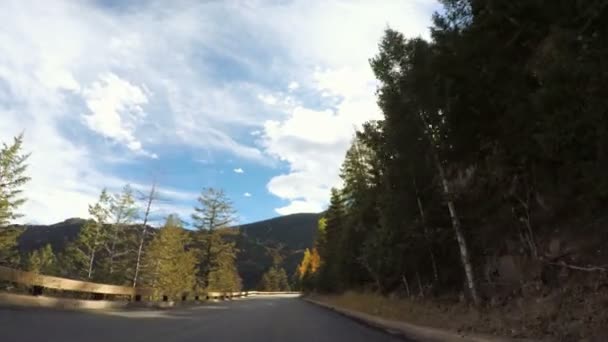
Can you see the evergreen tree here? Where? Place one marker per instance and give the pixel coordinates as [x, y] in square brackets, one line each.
[212, 219]
[84, 253]
[169, 267]
[275, 279]
[361, 185]
[223, 274]
[282, 280]
[149, 199]
[12, 179]
[331, 276]
[120, 246]
[42, 261]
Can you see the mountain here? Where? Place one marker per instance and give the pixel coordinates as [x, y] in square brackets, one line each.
[58, 235]
[291, 234]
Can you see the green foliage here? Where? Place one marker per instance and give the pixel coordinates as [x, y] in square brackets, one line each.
[169, 267]
[9, 256]
[106, 246]
[12, 179]
[42, 261]
[275, 279]
[217, 255]
[499, 118]
[331, 272]
[214, 210]
[84, 253]
[121, 243]
[220, 261]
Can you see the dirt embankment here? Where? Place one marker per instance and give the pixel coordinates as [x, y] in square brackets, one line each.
[571, 314]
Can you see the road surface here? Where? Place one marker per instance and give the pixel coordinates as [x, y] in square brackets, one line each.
[255, 319]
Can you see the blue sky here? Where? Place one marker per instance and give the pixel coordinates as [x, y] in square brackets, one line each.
[257, 97]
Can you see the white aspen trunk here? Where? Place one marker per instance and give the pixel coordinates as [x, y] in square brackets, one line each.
[462, 243]
[112, 251]
[91, 260]
[93, 252]
[143, 234]
[407, 285]
[420, 290]
[426, 232]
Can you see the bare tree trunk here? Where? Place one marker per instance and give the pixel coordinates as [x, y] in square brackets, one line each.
[420, 290]
[407, 285]
[426, 231]
[527, 222]
[113, 251]
[91, 261]
[140, 249]
[462, 242]
[94, 250]
[374, 275]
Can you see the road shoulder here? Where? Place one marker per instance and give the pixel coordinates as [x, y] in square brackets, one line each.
[410, 331]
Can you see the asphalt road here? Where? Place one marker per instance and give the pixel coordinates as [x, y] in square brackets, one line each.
[263, 319]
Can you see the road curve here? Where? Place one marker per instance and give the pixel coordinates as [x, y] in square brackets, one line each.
[263, 319]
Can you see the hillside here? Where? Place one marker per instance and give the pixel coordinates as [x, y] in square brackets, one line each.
[293, 232]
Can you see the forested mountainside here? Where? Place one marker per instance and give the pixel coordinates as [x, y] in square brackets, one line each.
[290, 235]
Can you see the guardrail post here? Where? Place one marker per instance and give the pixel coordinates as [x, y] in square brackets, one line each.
[138, 298]
[184, 297]
[165, 298]
[36, 290]
[98, 296]
[197, 298]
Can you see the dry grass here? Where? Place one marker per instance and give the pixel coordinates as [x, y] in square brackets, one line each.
[558, 317]
[433, 314]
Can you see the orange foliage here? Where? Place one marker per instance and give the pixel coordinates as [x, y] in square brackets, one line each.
[310, 263]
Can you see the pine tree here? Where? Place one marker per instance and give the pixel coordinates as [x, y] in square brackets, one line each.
[223, 274]
[84, 253]
[361, 186]
[212, 219]
[275, 279]
[282, 280]
[331, 274]
[149, 199]
[269, 281]
[12, 179]
[42, 261]
[169, 267]
[120, 246]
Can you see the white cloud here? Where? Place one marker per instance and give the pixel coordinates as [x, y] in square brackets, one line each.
[238, 170]
[313, 140]
[247, 194]
[268, 99]
[149, 79]
[299, 206]
[115, 110]
[293, 85]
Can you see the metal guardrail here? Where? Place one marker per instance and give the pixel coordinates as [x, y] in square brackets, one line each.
[56, 283]
[39, 282]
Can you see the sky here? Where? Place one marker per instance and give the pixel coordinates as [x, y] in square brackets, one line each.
[260, 98]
